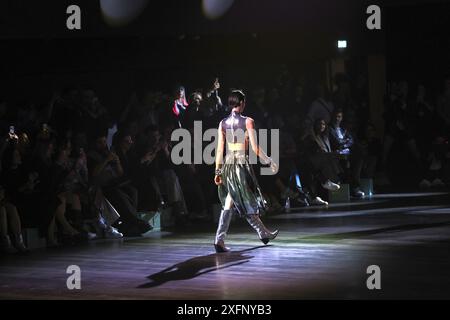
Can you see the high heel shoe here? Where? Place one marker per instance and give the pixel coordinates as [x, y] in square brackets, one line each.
[264, 234]
[272, 236]
[220, 247]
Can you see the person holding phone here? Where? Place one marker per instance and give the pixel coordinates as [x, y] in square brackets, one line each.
[180, 105]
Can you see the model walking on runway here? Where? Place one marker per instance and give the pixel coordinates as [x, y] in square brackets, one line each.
[237, 185]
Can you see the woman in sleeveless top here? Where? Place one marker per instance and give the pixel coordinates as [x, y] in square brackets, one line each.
[237, 185]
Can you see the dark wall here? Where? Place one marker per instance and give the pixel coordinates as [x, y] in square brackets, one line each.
[46, 18]
[172, 42]
[418, 44]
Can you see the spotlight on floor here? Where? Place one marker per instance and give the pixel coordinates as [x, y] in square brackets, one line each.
[342, 44]
[117, 13]
[214, 9]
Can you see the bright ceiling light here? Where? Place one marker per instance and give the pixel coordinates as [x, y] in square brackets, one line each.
[121, 12]
[342, 44]
[214, 9]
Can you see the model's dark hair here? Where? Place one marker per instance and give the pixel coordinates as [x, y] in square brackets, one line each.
[235, 98]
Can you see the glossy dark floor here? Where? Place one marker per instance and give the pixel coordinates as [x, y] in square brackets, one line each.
[319, 254]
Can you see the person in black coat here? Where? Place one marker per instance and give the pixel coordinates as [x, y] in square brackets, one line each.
[350, 154]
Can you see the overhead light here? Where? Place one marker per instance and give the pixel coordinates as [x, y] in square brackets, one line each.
[117, 13]
[214, 9]
[342, 44]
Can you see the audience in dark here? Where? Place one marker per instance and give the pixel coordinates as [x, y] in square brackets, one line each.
[76, 172]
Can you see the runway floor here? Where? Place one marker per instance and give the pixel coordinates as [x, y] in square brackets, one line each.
[319, 254]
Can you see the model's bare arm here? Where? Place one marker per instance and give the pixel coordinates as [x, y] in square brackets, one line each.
[219, 153]
[250, 125]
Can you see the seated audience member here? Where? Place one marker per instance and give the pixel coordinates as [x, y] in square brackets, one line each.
[343, 98]
[107, 173]
[321, 108]
[16, 196]
[321, 163]
[287, 179]
[426, 121]
[94, 114]
[436, 162]
[297, 103]
[351, 157]
[10, 224]
[443, 108]
[167, 176]
[371, 150]
[64, 110]
[68, 181]
[103, 215]
[400, 125]
[32, 192]
[48, 201]
[122, 146]
[145, 177]
[261, 113]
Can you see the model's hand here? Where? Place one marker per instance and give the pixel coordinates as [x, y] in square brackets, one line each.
[218, 180]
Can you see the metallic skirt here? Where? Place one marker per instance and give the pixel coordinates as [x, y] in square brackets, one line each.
[239, 181]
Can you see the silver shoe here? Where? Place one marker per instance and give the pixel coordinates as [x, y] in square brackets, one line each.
[220, 247]
[264, 234]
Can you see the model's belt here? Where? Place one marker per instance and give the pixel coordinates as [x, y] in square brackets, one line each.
[236, 146]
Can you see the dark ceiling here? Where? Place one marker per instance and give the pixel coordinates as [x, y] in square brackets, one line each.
[162, 18]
